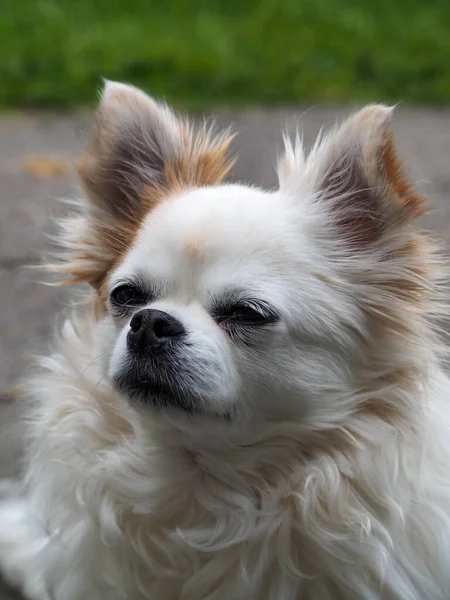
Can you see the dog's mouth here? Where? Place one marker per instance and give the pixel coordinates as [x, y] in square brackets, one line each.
[166, 397]
[155, 392]
[167, 385]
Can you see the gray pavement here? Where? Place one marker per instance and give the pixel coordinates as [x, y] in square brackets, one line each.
[28, 204]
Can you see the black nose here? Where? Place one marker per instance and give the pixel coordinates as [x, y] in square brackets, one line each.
[149, 328]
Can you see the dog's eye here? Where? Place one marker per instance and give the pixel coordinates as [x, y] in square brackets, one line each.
[127, 295]
[244, 315]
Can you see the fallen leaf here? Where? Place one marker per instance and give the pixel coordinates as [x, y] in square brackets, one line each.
[44, 166]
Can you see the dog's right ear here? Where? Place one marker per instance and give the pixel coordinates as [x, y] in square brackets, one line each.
[134, 139]
[141, 153]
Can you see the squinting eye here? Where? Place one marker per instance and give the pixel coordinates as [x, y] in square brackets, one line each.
[244, 315]
[127, 295]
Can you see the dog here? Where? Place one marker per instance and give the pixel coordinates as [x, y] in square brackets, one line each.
[252, 405]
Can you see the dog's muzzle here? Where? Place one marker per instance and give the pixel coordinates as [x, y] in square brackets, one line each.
[152, 371]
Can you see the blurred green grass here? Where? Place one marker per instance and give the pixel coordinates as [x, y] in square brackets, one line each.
[199, 53]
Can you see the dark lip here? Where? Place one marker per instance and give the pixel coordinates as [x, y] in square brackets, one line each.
[153, 393]
[156, 395]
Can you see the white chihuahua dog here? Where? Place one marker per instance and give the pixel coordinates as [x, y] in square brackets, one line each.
[253, 407]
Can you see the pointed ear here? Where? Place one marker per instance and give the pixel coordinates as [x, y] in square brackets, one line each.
[141, 153]
[133, 136]
[355, 174]
[140, 146]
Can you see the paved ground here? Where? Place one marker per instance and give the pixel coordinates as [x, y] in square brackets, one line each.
[28, 309]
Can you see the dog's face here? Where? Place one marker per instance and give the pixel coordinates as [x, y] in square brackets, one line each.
[214, 304]
[228, 302]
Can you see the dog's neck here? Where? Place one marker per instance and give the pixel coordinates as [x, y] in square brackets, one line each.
[268, 450]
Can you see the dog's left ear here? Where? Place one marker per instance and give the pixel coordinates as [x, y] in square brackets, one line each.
[356, 177]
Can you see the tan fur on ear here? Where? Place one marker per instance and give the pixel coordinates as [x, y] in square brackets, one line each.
[411, 204]
[355, 171]
[141, 153]
[202, 162]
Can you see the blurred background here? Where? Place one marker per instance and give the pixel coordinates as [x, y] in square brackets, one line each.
[203, 53]
[263, 66]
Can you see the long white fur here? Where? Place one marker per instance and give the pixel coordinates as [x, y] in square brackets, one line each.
[305, 495]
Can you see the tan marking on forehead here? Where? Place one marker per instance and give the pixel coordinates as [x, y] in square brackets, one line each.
[194, 247]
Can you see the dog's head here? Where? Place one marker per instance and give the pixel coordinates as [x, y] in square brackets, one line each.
[219, 301]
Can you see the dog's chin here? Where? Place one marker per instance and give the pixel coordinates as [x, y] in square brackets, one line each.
[164, 399]
[153, 393]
